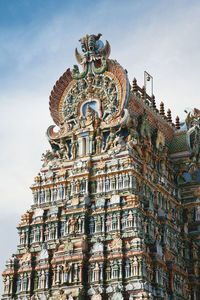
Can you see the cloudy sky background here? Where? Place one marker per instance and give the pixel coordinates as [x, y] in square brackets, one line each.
[37, 42]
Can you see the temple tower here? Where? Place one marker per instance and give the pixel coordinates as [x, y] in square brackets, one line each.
[116, 210]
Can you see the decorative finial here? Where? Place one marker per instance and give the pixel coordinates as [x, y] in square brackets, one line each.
[169, 116]
[153, 102]
[162, 109]
[143, 93]
[134, 85]
[177, 125]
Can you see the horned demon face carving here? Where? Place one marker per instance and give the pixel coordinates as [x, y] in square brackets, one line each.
[88, 44]
[92, 48]
[94, 57]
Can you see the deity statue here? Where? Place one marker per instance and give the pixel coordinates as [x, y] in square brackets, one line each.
[74, 147]
[160, 140]
[163, 161]
[48, 194]
[84, 243]
[144, 128]
[96, 295]
[108, 109]
[119, 144]
[110, 141]
[196, 269]
[72, 224]
[194, 251]
[67, 270]
[23, 237]
[77, 184]
[71, 112]
[61, 295]
[42, 280]
[42, 196]
[93, 186]
[68, 190]
[61, 191]
[35, 196]
[7, 284]
[133, 141]
[70, 297]
[83, 84]
[99, 141]
[196, 146]
[63, 151]
[48, 156]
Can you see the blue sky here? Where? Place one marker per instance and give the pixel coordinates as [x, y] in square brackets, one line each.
[37, 42]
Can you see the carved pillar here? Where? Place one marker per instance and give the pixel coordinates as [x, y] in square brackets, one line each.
[57, 274]
[56, 231]
[44, 195]
[103, 224]
[100, 185]
[64, 191]
[134, 219]
[111, 267]
[86, 186]
[104, 187]
[76, 272]
[130, 181]
[35, 197]
[41, 233]
[120, 268]
[11, 285]
[29, 281]
[51, 194]
[133, 181]
[72, 188]
[27, 236]
[54, 275]
[92, 272]
[124, 181]
[34, 232]
[21, 282]
[79, 146]
[95, 224]
[90, 148]
[117, 182]
[6, 285]
[46, 279]
[101, 271]
[83, 224]
[80, 271]
[39, 280]
[85, 145]
[118, 222]
[131, 267]
[70, 275]
[48, 193]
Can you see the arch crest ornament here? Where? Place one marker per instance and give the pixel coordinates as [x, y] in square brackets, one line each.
[94, 97]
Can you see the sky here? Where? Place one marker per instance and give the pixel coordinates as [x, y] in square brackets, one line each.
[37, 43]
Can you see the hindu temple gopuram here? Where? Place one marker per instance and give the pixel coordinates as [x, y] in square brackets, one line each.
[116, 204]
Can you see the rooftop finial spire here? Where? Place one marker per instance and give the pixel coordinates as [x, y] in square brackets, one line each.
[169, 116]
[177, 125]
[162, 109]
[153, 102]
[134, 85]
